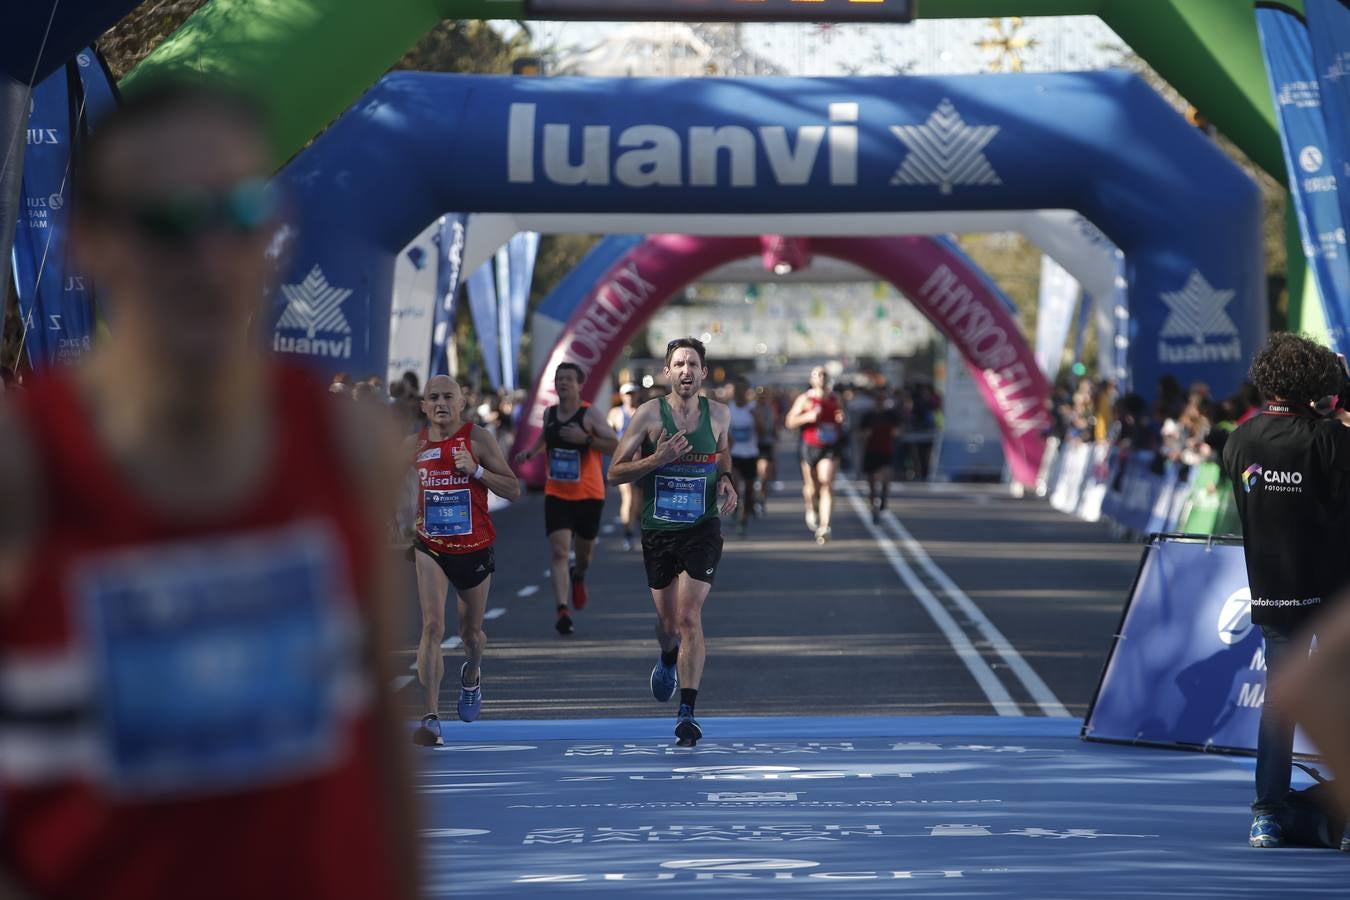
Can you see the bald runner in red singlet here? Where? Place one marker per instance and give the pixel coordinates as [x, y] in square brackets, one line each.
[457, 464]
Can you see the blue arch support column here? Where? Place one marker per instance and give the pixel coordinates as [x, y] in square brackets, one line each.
[682, 155]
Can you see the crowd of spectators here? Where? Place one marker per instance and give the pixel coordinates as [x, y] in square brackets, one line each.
[498, 412]
[915, 407]
[1186, 425]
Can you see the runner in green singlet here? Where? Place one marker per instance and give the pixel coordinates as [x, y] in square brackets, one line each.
[678, 447]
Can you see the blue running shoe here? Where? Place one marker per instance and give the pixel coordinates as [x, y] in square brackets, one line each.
[1266, 832]
[428, 733]
[664, 681]
[470, 698]
[687, 732]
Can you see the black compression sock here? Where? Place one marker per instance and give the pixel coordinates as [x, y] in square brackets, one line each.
[688, 697]
[669, 657]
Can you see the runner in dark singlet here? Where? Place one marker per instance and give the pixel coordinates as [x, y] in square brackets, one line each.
[879, 428]
[679, 447]
[576, 435]
[818, 414]
[457, 464]
[193, 600]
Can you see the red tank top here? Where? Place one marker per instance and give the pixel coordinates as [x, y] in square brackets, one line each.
[825, 431]
[183, 707]
[452, 508]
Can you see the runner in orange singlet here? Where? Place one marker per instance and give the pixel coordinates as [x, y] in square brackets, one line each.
[575, 435]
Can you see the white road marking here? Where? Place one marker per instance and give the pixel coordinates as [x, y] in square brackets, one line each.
[495, 613]
[402, 681]
[528, 591]
[452, 642]
[984, 676]
[1036, 687]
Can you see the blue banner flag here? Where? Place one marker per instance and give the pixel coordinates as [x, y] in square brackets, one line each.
[1309, 157]
[56, 304]
[450, 258]
[521, 252]
[483, 308]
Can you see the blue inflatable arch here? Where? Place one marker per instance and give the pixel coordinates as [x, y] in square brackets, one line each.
[846, 154]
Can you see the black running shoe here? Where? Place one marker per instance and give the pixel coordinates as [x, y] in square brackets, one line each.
[428, 733]
[687, 732]
[564, 623]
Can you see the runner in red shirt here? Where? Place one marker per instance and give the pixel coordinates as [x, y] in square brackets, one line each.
[818, 414]
[192, 665]
[457, 464]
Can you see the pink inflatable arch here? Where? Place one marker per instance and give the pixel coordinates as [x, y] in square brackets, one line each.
[939, 282]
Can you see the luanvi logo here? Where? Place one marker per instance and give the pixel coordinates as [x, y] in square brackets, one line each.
[314, 306]
[945, 151]
[1197, 312]
[653, 155]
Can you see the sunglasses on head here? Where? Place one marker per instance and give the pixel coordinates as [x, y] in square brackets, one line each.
[244, 208]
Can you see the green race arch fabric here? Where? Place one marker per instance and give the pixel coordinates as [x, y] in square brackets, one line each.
[310, 59]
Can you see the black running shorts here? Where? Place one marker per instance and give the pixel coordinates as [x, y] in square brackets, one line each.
[875, 462]
[695, 550]
[466, 571]
[581, 517]
[813, 455]
[746, 466]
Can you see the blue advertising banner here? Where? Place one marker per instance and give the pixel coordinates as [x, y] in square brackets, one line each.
[55, 303]
[483, 308]
[1187, 219]
[449, 259]
[521, 252]
[1188, 666]
[1329, 36]
[1313, 177]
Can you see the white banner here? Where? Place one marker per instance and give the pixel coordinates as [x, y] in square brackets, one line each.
[970, 444]
[412, 308]
[1059, 297]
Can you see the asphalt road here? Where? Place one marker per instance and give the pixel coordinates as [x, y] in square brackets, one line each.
[1011, 613]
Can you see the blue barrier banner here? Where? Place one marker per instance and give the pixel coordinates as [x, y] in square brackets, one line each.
[1188, 667]
[1142, 486]
[450, 256]
[56, 304]
[483, 308]
[1313, 175]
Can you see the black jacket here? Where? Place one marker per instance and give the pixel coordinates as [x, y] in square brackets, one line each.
[1291, 479]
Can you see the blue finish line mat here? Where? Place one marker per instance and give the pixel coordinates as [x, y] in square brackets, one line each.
[810, 807]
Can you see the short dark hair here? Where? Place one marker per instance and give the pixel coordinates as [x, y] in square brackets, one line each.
[581, 373]
[163, 98]
[687, 343]
[1293, 368]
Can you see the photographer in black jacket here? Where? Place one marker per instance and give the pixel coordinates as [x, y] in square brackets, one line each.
[1290, 470]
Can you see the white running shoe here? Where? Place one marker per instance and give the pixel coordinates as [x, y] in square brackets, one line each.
[822, 534]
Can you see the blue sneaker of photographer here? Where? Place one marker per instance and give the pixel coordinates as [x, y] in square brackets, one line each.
[1266, 832]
